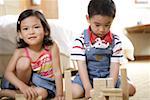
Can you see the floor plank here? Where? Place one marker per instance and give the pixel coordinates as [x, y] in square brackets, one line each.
[139, 73]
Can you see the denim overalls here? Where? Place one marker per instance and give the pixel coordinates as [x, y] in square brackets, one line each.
[97, 60]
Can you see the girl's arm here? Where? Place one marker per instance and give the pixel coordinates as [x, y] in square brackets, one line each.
[84, 77]
[10, 75]
[114, 71]
[11, 68]
[57, 70]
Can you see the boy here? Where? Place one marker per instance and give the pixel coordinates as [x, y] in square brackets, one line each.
[98, 51]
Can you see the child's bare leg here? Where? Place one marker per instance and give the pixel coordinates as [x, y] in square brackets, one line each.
[23, 69]
[132, 89]
[77, 91]
[42, 92]
[23, 72]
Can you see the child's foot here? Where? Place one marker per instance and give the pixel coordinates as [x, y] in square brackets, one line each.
[0, 93]
[6, 98]
[6, 94]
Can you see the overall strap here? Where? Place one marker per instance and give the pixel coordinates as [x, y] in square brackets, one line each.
[86, 39]
[27, 52]
[111, 46]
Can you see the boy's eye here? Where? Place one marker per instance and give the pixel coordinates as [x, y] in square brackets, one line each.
[107, 25]
[97, 25]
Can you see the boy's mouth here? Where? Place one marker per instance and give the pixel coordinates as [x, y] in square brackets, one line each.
[100, 34]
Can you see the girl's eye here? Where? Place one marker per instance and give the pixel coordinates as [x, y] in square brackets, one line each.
[24, 28]
[37, 27]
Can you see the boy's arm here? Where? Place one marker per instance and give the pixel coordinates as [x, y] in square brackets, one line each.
[114, 71]
[57, 70]
[84, 77]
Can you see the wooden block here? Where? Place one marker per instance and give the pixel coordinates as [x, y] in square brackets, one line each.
[95, 96]
[124, 84]
[75, 64]
[112, 98]
[112, 92]
[68, 85]
[109, 83]
[115, 98]
[101, 98]
[21, 97]
[80, 99]
[99, 84]
[65, 62]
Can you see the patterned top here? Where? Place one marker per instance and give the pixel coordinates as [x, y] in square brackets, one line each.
[43, 65]
[78, 48]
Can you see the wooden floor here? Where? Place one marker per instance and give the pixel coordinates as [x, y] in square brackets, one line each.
[139, 73]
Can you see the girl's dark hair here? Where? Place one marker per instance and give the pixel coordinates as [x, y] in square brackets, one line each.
[32, 12]
[101, 7]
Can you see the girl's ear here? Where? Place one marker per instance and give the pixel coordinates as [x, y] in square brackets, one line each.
[46, 34]
[88, 18]
[19, 35]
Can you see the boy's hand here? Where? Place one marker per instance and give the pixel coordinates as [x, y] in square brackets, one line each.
[59, 98]
[87, 92]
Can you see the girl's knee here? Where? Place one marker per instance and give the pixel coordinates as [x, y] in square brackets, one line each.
[132, 90]
[23, 64]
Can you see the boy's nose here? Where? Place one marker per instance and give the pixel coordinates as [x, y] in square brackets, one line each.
[101, 28]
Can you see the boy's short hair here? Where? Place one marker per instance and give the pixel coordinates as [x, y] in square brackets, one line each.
[101, 7]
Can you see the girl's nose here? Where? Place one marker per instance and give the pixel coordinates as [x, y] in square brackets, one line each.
[31, 31]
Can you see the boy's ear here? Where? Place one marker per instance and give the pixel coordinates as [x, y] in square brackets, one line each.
[88, 18]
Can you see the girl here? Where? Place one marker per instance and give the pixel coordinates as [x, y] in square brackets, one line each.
[34, 68]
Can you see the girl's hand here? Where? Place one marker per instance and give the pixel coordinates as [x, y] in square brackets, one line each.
[59, 98]
[29, 92]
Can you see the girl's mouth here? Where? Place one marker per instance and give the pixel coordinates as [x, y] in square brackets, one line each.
[33, 37]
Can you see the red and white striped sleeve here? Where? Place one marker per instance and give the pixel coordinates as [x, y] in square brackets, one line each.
[78, 50]
[117, 55]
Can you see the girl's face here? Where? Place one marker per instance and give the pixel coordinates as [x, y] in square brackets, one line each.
[32, 31]
[100, 25]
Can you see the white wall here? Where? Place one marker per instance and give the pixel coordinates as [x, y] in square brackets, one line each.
[129, 14]
[72, 13]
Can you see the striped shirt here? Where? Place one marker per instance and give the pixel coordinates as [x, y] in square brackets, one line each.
[78, 48]
[42, 65]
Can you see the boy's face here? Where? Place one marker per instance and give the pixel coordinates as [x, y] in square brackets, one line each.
[100, 25]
